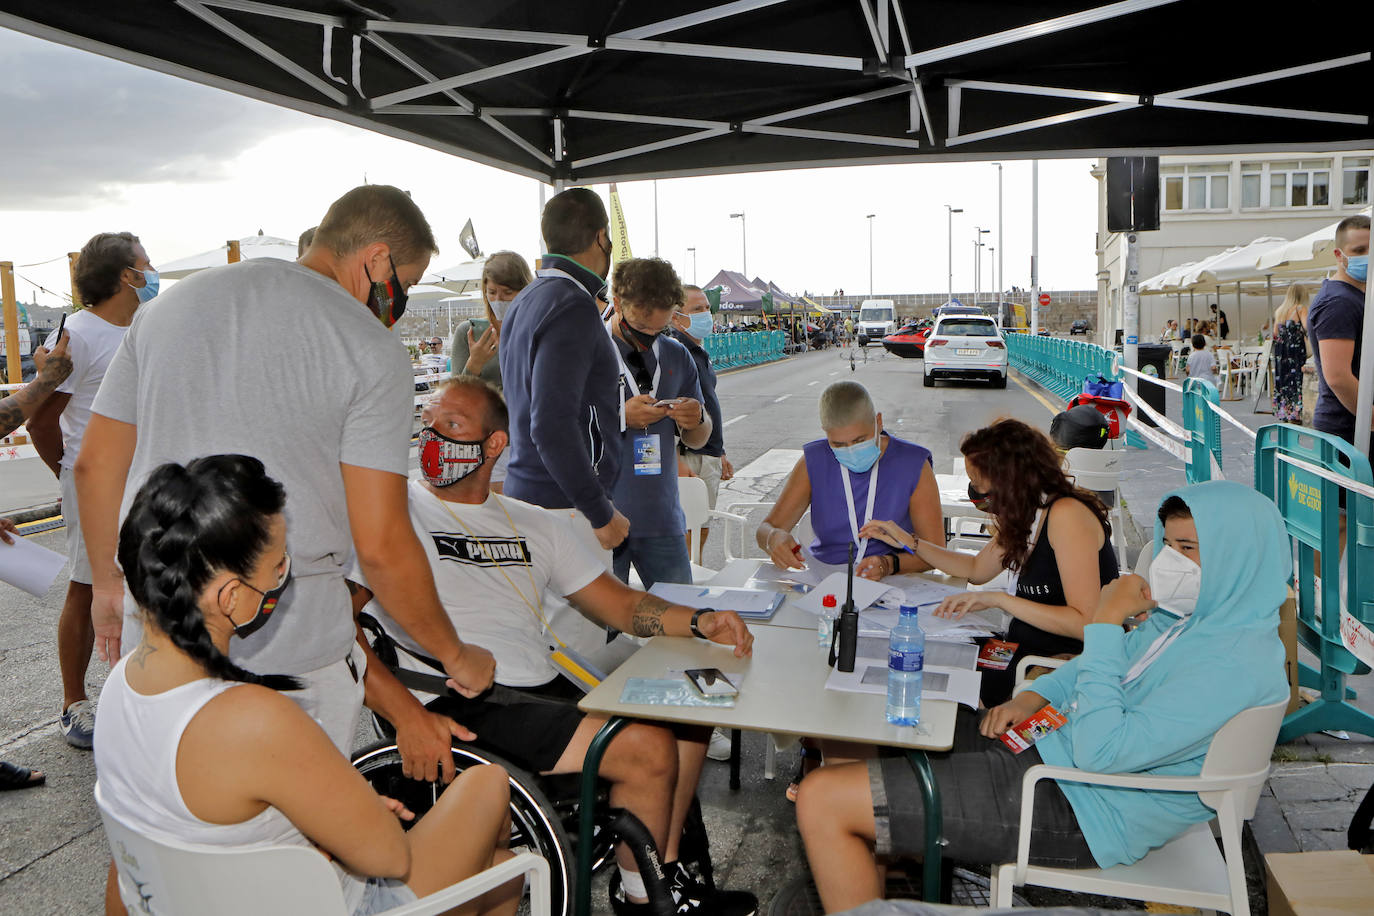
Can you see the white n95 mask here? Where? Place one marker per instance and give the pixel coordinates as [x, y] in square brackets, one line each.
[1175, 582]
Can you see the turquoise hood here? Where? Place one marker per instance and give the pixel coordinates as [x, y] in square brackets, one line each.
[1228, 658]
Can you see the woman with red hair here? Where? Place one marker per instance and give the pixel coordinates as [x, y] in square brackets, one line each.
[1052, 535]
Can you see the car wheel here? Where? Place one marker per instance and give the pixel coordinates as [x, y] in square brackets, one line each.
[999, 381]
[928, 380]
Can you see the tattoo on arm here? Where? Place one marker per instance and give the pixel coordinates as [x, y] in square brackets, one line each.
[23, 403]
[648, 616]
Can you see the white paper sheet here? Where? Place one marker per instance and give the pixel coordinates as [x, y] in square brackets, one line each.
[747, 602]
[866, 593]
[29, 566]
[870, 676]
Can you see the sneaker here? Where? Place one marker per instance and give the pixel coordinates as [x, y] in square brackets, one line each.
[692, 898]
[78, 724]
[695, 897]
[719, 748]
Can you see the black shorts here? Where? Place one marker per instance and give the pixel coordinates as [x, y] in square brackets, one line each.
[531, 727]
[980, 798]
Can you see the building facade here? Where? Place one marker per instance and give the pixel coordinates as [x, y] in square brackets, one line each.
[1211, 203]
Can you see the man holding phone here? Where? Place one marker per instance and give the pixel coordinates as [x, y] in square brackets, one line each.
[113, 278]
[663, 401]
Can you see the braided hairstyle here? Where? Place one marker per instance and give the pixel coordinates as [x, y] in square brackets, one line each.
[185, 525]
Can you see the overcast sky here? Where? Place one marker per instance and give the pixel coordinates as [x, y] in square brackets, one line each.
[90, 144]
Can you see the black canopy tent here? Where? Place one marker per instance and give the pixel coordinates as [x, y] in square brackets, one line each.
[600, 90]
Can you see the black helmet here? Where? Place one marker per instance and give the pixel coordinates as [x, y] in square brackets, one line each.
[1079, 427]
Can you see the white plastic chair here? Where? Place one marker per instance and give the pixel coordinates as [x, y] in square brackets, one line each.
[1099, 470]
[165, 878]
[1189, 870]
[1027, 662]
[737, 526]
[696, 513]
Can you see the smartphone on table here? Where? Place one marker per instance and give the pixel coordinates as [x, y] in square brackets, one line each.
[711, 682]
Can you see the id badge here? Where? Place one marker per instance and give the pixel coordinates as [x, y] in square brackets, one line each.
[1034, 727]
[648, 456]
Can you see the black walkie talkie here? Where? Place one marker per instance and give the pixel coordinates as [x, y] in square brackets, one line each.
[845, 641]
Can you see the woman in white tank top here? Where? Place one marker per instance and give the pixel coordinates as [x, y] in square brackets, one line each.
[191, 747]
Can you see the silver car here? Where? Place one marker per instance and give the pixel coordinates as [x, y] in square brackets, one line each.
[966, 347]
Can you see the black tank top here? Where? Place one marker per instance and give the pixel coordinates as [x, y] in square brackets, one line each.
[1039, 582]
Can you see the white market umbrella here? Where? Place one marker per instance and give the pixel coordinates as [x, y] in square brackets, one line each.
[1168, 282]
[254, 246]
[459, 278]
[1310, 253]
[1229, 266]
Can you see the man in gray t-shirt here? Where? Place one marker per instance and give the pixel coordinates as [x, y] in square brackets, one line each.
[286, 362]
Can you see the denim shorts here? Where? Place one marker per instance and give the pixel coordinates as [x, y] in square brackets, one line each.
[980, 798]
[382, 894]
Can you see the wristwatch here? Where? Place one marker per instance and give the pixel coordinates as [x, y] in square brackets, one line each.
[696, 615]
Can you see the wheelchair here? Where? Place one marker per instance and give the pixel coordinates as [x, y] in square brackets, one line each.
[544, 810]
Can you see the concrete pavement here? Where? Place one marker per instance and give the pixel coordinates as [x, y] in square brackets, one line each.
[52, 852]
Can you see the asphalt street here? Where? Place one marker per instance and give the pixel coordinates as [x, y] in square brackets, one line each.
[52, 850]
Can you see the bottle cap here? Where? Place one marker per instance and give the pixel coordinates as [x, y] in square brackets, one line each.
[828, 601]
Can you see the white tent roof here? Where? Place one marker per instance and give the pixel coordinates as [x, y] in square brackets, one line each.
[1167, 282]
[254, 246]
[1232, 265]
[1309, 253]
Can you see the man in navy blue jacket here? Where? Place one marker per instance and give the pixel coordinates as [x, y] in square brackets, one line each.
[561, 373]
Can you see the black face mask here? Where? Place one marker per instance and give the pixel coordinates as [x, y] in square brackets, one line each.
[266, 605]
[645, 341]
[607, 252]
[387, 298]
[978, 497]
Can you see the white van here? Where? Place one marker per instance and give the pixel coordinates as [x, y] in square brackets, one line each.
[877, 319]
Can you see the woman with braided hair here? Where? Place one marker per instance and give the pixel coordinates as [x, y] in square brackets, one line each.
[1052, 535]
[191, 747]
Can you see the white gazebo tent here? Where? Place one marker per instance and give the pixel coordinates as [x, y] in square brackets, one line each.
[464, 277]
[253, 246]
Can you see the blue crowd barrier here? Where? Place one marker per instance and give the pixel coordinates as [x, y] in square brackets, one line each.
[1203, 426]
[1308, 503]
[731, 351]
[1060, 364]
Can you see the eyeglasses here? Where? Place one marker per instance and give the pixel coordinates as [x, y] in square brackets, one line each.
[644, 379]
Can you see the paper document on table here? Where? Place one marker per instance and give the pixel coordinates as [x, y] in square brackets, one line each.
[916, 591]
[879, 621]
[749, 603]
[30, 566]
[870, 676]
[866, 594]
[938, 654]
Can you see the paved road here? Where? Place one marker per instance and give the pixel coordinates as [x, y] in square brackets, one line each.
[52, 852]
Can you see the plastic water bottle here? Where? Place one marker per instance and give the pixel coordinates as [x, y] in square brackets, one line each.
[825, 623]
[906, 657]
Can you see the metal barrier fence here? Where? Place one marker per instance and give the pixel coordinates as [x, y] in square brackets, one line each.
[731, 351]
[1307, 474]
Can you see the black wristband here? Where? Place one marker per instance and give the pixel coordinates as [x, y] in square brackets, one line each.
[896, 563]
[696, 615]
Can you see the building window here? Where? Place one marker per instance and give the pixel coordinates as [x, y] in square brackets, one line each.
[1355, 183]
[1251, 184]
[1299, 183]
[1197, 187]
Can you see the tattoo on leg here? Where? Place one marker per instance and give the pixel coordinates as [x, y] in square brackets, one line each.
[648, 616]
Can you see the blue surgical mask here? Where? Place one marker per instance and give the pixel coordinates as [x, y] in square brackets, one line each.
[702, 325]
[860, 456]
[148, 290]
[1358, 267]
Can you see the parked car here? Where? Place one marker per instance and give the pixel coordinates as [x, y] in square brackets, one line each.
[966, 347]
[1079, 326]
[910, 341]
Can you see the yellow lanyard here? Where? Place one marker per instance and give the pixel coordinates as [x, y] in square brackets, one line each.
[528, 564]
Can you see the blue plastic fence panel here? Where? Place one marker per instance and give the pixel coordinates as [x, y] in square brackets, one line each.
[1311, 511]
[1203, 426]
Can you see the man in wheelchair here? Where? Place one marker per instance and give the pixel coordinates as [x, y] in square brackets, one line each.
[494, 559]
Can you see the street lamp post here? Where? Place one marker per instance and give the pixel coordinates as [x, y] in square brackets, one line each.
[870, 254]
[693, 253]
[1000, 246]
[949, 237]
[743, 243]
[979, 232]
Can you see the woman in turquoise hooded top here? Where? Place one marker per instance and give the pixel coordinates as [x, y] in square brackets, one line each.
[1145, 701]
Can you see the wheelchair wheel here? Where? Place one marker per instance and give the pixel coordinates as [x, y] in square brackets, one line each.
[535, 825]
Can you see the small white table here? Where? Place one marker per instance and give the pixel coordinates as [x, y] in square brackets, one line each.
[954, 501]
[782, 690]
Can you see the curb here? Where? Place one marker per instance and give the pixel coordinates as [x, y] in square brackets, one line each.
[24, 516]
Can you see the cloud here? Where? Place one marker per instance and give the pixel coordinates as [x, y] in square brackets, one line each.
[77, 129]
